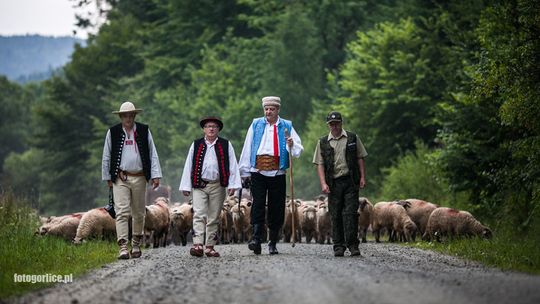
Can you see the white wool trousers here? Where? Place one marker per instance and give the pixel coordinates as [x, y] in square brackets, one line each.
[129, 199]
[207, 205]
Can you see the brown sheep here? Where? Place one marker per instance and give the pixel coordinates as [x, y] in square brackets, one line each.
[307, 213]
[394, 218]
[95, 223]
[450, 222]
[157, 221]
[241, 217]
[365, 214]
[419, 212]
[181, 222]
[287, 225]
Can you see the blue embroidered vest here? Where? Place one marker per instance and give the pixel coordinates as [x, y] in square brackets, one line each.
[259, 125]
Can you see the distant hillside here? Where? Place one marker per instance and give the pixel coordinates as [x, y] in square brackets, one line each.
[34, 57]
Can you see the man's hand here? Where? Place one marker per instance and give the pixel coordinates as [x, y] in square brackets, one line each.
[362, 183]
[155, 183]
[290, 142]
[109, 183]
[325, 188]
[231, 192]
[186, 193]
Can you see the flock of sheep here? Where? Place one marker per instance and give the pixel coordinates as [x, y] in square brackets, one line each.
[167, 223]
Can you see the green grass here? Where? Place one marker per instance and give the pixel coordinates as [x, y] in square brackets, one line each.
[507, 250]
[22, 252]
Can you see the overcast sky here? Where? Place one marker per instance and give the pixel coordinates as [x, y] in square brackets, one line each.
[44, 17]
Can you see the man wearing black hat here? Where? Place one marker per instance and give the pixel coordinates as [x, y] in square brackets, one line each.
[209, 170]
[339, 157]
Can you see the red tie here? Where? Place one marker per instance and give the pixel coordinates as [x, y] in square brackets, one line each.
[276, 150]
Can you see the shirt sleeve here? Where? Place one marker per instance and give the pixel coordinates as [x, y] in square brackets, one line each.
[297, 146]
[185, 182]
[155, 171]
[245, 161]
[317, 156]
[361, 151]
[106, 158]
[234, 179]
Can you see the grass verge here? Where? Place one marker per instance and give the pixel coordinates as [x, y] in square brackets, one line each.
[506, 251]
[24, 253]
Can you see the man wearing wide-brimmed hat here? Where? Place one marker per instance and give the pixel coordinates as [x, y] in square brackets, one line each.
[264, 160]
[210, 171]
[339, 157]
[130, 160]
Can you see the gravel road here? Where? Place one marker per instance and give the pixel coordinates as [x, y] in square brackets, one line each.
[308, 273]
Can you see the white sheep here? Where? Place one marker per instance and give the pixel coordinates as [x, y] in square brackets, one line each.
[62, 226]
[450, 222]
[394, 218]
[95, 223]
[324, 223]
[181, 217]
[157, 221]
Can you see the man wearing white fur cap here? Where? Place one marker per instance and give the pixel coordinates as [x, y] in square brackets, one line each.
[129, 161]
[263, 163]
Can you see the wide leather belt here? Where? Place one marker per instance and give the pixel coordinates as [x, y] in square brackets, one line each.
[267, 162]
[124, 174]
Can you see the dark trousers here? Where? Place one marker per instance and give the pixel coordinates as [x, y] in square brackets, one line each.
[273, 187]
[343, 207]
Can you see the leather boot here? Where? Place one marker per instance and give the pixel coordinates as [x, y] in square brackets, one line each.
[274, 237]
[124, 253]
[255, 243]
[136, 246]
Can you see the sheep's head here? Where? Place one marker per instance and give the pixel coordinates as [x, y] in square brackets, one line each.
[487, 234]
[405, 204]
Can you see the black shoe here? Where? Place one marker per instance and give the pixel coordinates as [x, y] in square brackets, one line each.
[255, 246]
[272, 248]
[354, 251]
[339, 252]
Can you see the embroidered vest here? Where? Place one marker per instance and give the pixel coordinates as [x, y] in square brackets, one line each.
[259, 125]
[222, 153]
[327, 153]
[117, 144]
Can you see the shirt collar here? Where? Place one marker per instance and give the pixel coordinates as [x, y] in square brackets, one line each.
[343, 133]
[208, 143]
[277, 121]
[132, 129]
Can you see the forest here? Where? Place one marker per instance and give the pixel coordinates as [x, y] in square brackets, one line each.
[445, 96]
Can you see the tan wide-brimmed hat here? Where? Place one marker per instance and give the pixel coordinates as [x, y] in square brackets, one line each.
[127, 107]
